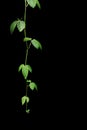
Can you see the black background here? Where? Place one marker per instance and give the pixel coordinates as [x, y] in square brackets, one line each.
[55, 68]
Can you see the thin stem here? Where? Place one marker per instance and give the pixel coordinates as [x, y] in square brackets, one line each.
[25, 10]
[26, 94]
[26, 43]
[26, 55]
[27, 50]
[25, 13]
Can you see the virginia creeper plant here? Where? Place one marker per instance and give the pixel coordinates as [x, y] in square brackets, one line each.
[25, 68]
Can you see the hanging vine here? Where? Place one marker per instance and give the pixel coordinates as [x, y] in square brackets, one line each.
[25, 68]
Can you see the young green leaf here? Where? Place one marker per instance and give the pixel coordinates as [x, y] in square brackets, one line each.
[33, 86]
[29, 68]
[20, 25]
[32, 3]
[38, 4]
[25, 70]
[13, 26]
[28, 81]
[36, 44]
[27, 39]
[28, 111]
[20, 67]
[24, 99]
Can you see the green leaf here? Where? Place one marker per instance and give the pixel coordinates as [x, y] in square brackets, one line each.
[25, 71]
[20, 25]
[38, 4]
[28, 111]
[27, 39]
[36, 44]
[32, 3]
[29, 68]
[20, 67]
[13, 26]
[33, 86]
[28, 81]
[24, 99]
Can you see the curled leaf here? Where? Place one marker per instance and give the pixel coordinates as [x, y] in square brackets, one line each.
[27, 39]
[28, 111]
[13, 26]
[36, 44]
[33, 85]
[24, 99]
[28, 81]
